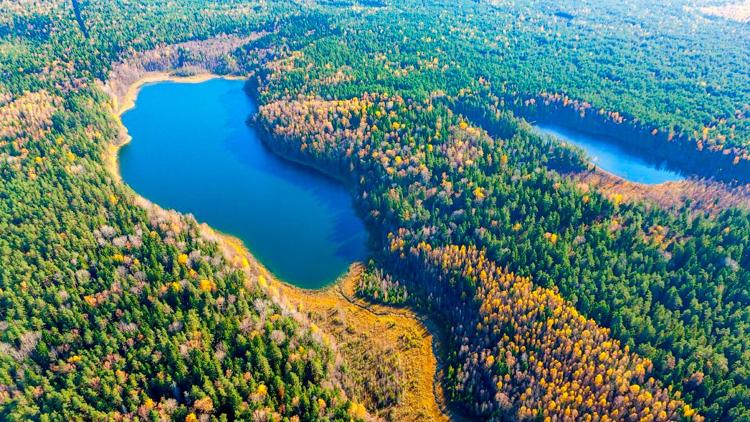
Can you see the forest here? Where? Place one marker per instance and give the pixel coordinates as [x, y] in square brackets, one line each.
[563, 300]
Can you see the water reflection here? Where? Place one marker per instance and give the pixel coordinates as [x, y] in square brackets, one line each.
[610, 156]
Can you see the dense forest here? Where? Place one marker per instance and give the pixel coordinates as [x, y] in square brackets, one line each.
[444, 163]
[562, 300]
[109, 310]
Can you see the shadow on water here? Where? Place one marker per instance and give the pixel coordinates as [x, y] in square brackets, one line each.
[614, 157]
[348, 227]
[326, 190]
[193, 151]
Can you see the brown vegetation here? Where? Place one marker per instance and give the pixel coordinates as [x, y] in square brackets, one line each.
[184, 59]
[385, 353]
[702, 195]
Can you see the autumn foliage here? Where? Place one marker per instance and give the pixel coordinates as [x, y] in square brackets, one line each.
[521, 350]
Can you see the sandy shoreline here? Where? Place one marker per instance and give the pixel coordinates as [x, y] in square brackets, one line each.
[121, 105]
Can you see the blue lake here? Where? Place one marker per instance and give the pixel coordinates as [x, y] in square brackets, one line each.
[192, 151]
[609, 156]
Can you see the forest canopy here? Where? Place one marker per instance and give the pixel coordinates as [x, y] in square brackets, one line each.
[562, 300]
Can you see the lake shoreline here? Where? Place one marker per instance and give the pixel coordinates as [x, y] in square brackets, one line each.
[422, 396]
[610, 156]
[696, 193]
[112, 152]
[119, 105]
[127, 101]
[678, 150]
[707, 195]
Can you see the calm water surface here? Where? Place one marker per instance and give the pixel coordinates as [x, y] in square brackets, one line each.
[611, 157]
[192, 151]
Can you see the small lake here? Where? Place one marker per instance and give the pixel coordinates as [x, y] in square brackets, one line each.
[606, 154]
[192, 151]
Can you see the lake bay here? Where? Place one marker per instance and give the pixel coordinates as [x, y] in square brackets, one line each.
[607, 154]
[193, 151]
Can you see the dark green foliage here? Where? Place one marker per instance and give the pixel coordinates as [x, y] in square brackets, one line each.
[108, 310]
[88, 330]
[671, 285]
